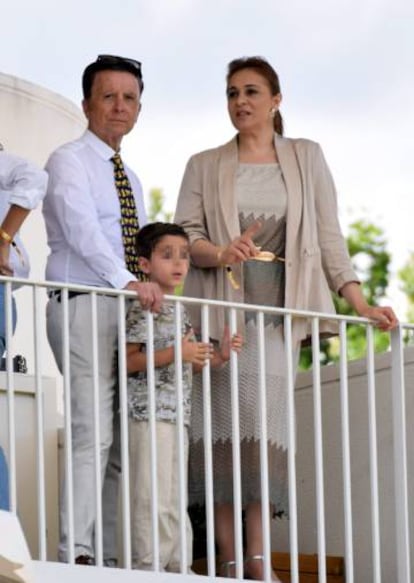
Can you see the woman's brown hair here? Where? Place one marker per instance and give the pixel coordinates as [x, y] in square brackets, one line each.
[263, 68]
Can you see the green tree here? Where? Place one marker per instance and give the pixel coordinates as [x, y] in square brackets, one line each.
[406, 276]
[368, 249]
[156, 212]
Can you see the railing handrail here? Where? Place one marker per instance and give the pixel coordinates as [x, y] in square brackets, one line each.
[399, 419]
[55, 285]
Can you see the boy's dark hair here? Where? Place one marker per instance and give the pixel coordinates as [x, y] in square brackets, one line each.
[151, 234]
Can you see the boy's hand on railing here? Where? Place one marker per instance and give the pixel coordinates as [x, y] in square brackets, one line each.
[197, 353]
[229, 343]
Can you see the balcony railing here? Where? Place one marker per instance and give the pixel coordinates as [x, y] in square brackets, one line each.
[396, 388]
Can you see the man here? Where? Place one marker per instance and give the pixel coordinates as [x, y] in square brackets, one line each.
[90, 233]
[22, 187]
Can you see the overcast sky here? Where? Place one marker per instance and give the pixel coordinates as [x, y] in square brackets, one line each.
[346, 69]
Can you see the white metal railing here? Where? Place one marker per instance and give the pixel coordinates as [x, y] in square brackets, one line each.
[397, 388]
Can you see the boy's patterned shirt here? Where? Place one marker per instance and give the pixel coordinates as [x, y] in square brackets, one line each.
[165, 386]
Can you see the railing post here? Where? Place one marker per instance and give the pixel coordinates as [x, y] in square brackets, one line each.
[68, 428]
[10, 400]
[264, 466]
[182, 473]
[124, 437]
[346, 455]
[235, 417]
[400, 457]
[319, 470]
[293, 508]
[41, 488]
[97, 432]
[373, 456]
[208, 450]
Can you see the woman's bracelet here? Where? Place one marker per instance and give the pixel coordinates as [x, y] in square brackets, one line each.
[5, 236]
[219, 255]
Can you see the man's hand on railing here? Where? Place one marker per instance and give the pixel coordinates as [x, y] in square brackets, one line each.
[149, 294]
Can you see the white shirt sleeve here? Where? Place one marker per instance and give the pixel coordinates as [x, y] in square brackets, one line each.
[71, 212]
[25, 182]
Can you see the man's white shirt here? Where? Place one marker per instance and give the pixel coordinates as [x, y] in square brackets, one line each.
[83, 215]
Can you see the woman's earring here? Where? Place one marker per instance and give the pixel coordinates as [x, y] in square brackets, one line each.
[272, 112]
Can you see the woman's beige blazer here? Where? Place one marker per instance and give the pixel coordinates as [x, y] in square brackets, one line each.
[317, 258]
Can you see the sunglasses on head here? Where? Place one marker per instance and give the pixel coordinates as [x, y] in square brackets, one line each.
[113, 59]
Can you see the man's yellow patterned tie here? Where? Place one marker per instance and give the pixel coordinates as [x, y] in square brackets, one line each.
[129, 217]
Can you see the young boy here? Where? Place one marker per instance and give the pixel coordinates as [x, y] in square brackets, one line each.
[163, 250]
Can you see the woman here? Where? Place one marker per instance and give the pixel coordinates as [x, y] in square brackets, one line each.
[260, 192]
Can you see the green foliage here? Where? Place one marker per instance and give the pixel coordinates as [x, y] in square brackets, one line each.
[406, 276]
[368, 249]
[156, 211]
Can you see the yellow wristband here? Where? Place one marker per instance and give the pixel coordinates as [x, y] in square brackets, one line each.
[5, 236]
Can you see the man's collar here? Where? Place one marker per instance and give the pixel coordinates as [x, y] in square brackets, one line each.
[100, 147]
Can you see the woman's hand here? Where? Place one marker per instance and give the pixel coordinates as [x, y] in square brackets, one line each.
[241, 248]
[384, 317]
[229, 343]
[5, 268]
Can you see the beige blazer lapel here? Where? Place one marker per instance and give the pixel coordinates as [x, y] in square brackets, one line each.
[227, 203]
[291, 174]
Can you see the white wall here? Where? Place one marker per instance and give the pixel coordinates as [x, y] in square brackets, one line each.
[361, 501]
[33, 122]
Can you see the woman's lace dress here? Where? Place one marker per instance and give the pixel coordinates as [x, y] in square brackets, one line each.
[261, 194]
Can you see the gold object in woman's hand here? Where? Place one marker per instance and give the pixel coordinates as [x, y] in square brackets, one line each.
[267, 256]
[230, 276]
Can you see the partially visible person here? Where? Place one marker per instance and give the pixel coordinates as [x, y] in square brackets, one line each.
[260, 196]
[163, 249]
[4, 483]
[22, 187]
[93, 210]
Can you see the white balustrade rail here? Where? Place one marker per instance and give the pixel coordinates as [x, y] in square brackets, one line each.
[397, 388]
